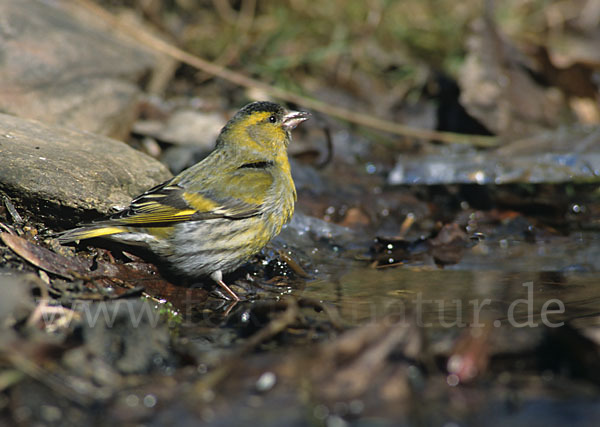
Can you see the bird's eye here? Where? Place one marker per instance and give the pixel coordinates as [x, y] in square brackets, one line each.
[272, 119]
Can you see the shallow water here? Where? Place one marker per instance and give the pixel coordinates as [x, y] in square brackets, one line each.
[577, 252]
[522, 290]
[451, 298]
[498, 270]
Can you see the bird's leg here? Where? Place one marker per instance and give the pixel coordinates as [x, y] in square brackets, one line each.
[217, 276]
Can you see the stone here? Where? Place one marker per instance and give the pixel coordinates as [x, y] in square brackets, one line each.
[59, 65]
[42, 165]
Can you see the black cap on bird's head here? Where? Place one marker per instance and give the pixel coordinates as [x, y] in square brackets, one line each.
[262, 107]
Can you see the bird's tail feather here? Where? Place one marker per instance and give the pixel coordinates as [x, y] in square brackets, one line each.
[88, 232]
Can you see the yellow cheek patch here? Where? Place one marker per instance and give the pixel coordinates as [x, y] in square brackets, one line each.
[254, 118]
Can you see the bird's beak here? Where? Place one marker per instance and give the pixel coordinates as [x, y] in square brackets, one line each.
[294, 118]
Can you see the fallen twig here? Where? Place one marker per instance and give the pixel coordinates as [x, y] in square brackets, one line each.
[153, 42]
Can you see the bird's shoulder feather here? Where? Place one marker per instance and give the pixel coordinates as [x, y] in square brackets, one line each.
[236, 194]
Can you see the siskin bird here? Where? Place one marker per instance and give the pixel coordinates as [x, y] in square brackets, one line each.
[212, 217]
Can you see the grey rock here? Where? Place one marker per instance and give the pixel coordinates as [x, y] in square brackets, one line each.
[185, 127]
[59, 65]
[558, 156]
[43, 164]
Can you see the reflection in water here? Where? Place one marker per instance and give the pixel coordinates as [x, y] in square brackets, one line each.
[451, 298]
[515, 292]
[498, 279]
